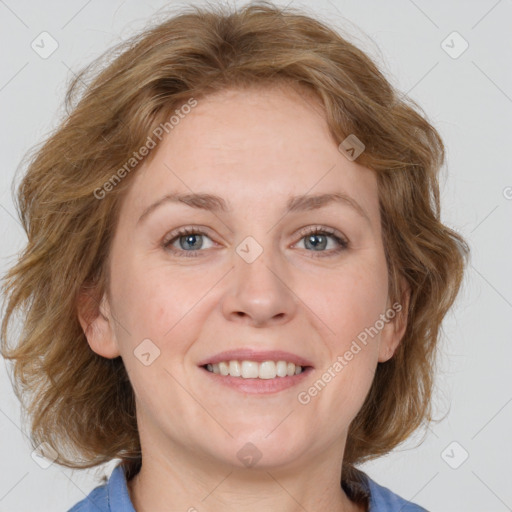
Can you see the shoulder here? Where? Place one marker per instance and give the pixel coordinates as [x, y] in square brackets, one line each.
[110, 497]
[96, 501]
[383, 499]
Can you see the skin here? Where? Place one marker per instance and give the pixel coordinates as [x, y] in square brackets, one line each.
[255, 148]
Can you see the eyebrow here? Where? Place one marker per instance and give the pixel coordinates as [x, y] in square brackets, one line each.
[301, 203]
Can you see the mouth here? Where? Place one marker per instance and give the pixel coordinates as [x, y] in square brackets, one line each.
[254, 370]
[257, 372]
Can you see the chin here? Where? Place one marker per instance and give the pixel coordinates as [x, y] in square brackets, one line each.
[265, 451]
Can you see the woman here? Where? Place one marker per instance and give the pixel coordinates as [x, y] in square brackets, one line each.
[236, 270]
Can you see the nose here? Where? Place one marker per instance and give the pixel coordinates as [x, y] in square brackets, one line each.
[260, 293]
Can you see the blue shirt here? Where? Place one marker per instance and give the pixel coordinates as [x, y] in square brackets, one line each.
[114, 497]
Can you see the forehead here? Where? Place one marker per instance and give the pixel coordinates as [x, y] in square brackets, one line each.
[251, 146]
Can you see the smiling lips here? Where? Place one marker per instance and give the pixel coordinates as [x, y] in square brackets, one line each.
[254, 370]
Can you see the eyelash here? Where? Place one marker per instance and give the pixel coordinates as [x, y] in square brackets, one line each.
[313, 230]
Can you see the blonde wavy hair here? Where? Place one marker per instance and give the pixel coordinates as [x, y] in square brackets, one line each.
[69, 392]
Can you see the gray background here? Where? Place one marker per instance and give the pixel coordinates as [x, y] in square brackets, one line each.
[469, 100]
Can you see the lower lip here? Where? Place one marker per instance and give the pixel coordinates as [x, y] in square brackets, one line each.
[259, 386]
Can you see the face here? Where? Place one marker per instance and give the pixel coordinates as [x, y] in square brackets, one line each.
[261, 269]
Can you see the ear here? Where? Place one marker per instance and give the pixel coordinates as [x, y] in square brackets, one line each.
[96, 320]
[395, 326]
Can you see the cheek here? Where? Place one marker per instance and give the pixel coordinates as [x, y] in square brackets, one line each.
[150, 302]
[151, 318]
[348, 300]
[349, 305]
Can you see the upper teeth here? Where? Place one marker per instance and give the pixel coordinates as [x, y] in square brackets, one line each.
[254, 370]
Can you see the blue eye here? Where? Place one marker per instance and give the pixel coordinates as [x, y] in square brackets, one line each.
[317, 242]
[317, 239]
[191, 241]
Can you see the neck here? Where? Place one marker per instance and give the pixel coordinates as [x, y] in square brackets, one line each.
[181, 480]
